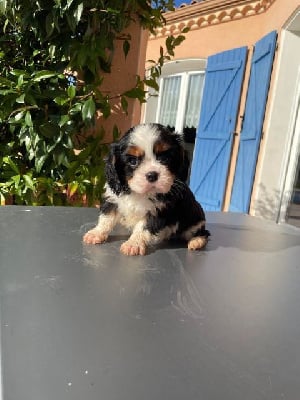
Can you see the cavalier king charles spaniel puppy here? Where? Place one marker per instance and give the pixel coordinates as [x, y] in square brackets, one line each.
[145, 191]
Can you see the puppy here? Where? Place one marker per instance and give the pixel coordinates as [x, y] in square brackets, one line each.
[145, 191]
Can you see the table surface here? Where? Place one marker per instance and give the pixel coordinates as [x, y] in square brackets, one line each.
[84, 322]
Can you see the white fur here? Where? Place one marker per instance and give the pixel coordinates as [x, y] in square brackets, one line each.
[132, 211]
[139, 183]
[100, 233]
[132, 208]
[145, 136]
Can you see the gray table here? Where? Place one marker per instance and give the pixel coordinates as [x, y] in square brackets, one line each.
[84, 322]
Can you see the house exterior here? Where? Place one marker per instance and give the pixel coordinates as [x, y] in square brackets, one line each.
[122, 78]
[235, 84]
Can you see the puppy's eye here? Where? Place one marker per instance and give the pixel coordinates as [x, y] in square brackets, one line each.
[132, 161]
[164, 156]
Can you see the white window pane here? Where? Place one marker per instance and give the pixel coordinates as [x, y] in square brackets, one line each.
[193, 103]
[169, 100]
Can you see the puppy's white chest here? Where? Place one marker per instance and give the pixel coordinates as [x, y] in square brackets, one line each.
[134, 208]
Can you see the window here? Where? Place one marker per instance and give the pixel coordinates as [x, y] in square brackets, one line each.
[179, 99]
[179, 102]
[169, 100]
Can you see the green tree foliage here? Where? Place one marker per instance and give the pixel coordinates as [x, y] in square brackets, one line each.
[43, 114]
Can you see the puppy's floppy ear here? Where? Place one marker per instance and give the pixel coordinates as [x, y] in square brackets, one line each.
[114, 170]
[183, 170]
[182, 159]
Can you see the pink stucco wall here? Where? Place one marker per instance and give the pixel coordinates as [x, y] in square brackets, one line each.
[253, 20]
[202, 42]
[122, 78]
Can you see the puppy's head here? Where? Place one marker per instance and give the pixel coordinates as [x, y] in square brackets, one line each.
[146, 161]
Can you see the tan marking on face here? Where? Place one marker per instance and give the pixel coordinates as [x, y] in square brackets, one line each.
[160, 147]
[135, 151]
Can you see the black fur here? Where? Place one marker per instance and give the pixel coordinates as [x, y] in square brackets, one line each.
[181, 208]
[181, 205]
[108, 207]
[115, 170]
[117, 166]
[174, 207]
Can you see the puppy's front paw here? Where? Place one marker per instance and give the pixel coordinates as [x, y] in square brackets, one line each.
[197, 243]
[94, 236]
[133, 249]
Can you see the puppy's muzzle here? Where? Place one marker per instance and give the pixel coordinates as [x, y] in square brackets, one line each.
[152, 176]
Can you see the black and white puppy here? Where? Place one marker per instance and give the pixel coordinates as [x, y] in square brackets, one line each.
[145, 192]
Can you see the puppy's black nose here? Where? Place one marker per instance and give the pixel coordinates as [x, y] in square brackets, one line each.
[152, 176]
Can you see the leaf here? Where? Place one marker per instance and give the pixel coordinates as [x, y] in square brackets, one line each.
[67, 142]
[126, 47]
[40, 75]
[71, 91]
[116, 133]
[82, 55]
[73, 188]
[64, 119]
[18, 117]
[60, 100]
[88, 109]
[186, 29]
[3, 5]
[49, 24]
[136, 93]
[20, 99]
[18, 72]
[78, 12]
[60, 158]
[20, 80]
[5, 82]
[178, 40]
[16, 179]
[106, 109]
[49, 130]
[152, 83]
[76, 108]
[12, 165]
[124, 104]
[30, 99]
[39, 162]
[169, 45]
[29, 182]
[28, 120]
[52, 50]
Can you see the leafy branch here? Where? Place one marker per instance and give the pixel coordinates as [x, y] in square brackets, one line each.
[47, 155]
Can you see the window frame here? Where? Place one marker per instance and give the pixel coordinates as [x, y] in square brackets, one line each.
[149, 110]
[183, 96]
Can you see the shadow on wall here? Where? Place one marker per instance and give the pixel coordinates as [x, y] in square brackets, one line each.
[269, 203]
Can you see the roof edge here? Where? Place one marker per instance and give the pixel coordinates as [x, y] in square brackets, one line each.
[210, 12]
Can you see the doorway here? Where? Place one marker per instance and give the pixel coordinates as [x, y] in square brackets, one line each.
[289, 210]
[293, 174]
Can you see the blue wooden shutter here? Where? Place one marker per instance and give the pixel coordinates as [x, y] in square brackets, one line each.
[221, 98]
[261, 68]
